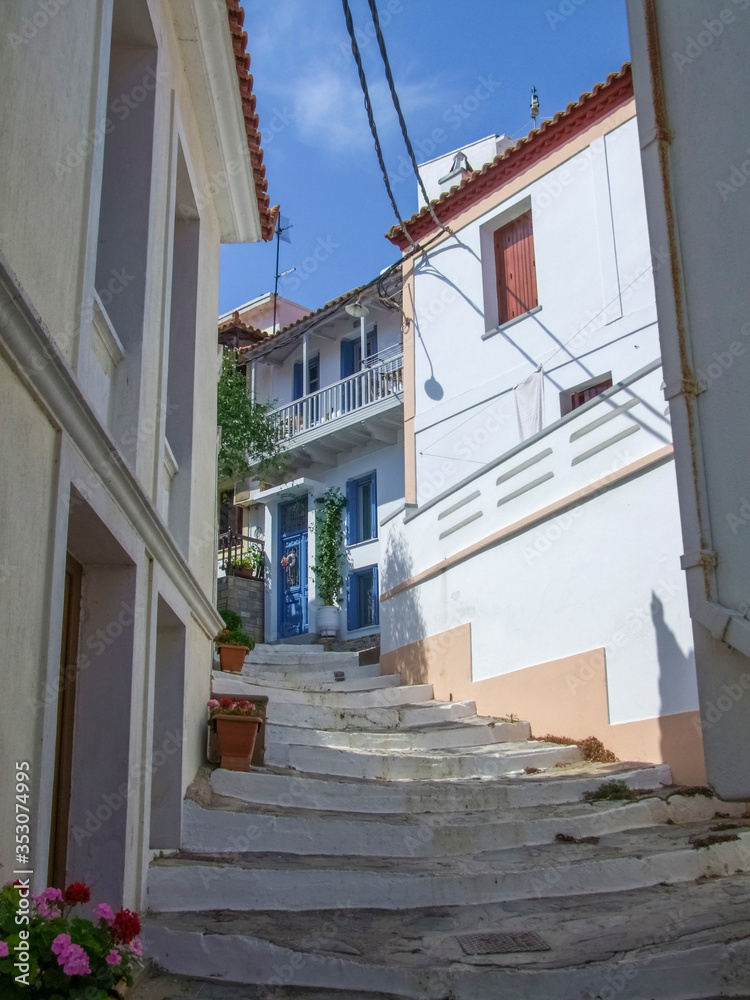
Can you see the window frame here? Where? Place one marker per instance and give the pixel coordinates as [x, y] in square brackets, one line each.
[505, 311]
[353, 621]
[567, 395]
[354, 509]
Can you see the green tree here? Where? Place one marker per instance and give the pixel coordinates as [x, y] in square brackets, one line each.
[249, 439]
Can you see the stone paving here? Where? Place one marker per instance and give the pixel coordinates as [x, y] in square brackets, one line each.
[160, 986]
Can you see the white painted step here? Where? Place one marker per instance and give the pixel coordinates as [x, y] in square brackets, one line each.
[400, 717]
[232, 827]
[387, 697]
[473, 732]
[300, 656]
[303, 791]
[658, 943]
[621, 862]
[290, 676]
[321, 686]
[477, 762]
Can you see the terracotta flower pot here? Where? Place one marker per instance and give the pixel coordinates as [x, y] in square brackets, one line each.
[232, 658]
[236, 736]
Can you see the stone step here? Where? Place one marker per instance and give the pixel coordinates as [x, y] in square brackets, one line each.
[631, 859]
[404, 717]
[313, 792]
[430, 765]
[289, 676]
[217, 825]
[386, 697]
[301, 656]
[661, 942]
[473, 732]
[322, 686]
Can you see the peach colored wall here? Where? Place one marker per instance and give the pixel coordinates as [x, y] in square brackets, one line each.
[566, 697]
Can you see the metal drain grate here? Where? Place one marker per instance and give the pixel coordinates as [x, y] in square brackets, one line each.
[339, 675]
[500, 944]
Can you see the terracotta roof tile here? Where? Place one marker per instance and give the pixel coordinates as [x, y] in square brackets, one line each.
[268, 215]
[234, 333]
[555, 132]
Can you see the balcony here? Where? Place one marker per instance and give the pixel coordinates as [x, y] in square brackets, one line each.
[366, 406]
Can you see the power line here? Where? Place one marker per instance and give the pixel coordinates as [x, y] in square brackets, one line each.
[397, 106]
[370, 117]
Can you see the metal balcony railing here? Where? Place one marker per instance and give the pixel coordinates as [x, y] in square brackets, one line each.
[382, 377]
[241, 555]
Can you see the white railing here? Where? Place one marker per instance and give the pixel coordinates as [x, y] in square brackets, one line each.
[378, 381]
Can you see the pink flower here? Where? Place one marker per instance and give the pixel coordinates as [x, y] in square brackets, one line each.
[50, 903]
[5, 950]
[213, 703]
[75, 961]
[104, 912]
[136, 948]
[114, 958]
[61, 944]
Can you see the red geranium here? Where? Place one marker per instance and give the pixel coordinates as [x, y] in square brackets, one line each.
[226, 702]
[126, 926]
[77, 892]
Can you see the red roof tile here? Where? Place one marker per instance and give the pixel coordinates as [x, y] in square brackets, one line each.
[234, 333]
[242, 60]
[603, 98]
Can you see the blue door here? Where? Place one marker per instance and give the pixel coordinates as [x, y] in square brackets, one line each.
[293, 568]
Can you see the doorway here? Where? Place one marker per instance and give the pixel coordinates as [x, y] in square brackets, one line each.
[293, 568]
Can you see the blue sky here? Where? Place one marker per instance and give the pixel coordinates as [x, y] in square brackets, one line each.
[463, 70]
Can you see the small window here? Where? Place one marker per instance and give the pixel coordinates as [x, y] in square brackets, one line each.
[361, 508]
[571, 399]
[515, 267]
[313, 377]
[362, 609]
[351, 352]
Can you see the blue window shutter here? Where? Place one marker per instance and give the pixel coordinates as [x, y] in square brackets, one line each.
[347, 358]
[351, 602]
[372, 341]
[375, 597]
[352, 518]
[374, 504]
[298, 388]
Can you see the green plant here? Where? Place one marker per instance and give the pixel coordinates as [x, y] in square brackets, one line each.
[328, 545]
[235, 637]
[713, 838]
[252, 559]
[48, 954]
[232, 620]
[593, 749]
[616, 791]
[249, 438]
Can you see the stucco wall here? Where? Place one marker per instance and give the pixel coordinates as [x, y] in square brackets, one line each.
[28, 499]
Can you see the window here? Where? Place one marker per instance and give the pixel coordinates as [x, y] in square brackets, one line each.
[313, 377]
[362, 609]
[351, 352]
[515, 268]
[361, 509]
[571, 399]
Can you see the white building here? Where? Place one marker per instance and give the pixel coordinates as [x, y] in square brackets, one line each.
[535, 563]
[130, 152]
[337, 385]
[691, 64]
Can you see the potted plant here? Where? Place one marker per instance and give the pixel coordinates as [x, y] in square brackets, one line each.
[250, 565]
[329, 537]
[46, 952]
[236, 724]
[233, 644]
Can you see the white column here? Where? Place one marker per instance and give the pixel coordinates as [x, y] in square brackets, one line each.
[305, 369]
[252, 382]
[362, 341]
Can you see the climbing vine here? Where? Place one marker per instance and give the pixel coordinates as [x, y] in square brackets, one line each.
[329, 537]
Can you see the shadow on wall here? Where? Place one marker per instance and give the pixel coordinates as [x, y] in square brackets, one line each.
[675, 668]
[401, 618]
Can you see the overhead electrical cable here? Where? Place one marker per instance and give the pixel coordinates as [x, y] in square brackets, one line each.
[399, 112]
[370, 117]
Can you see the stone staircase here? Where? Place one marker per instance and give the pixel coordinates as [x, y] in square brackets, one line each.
[396, 846]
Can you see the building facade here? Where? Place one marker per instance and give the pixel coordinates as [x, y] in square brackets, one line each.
[130, 152]
[335, 379]
[535, 563]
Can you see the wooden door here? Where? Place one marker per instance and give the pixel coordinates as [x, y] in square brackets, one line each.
[66, 703]
[516, 269]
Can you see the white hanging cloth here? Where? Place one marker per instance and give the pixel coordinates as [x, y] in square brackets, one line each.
[529, 404]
